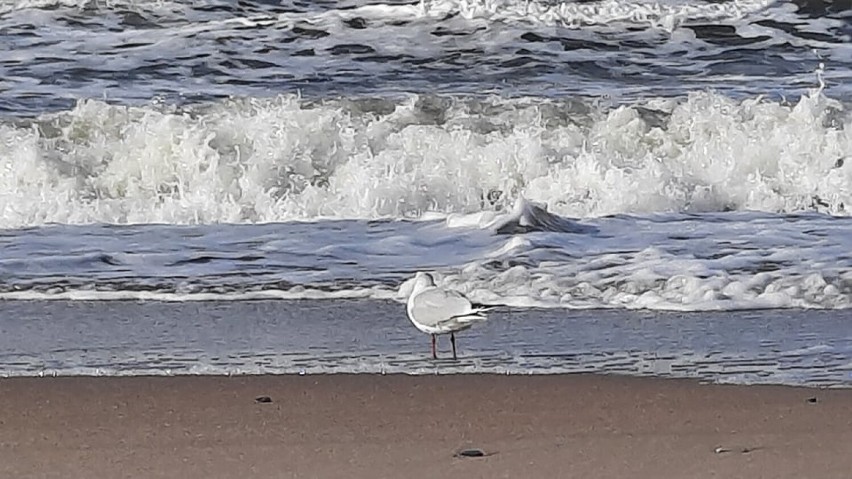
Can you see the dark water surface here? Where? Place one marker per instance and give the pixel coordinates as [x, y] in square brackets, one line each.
[180, 51]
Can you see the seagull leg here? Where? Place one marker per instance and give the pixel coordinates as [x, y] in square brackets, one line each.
[453, 340]
[434, 347]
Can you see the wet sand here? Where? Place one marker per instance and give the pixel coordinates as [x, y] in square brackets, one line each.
[367, 426]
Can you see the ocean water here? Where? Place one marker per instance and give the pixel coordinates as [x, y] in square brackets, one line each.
[539, 155]
[113, 338]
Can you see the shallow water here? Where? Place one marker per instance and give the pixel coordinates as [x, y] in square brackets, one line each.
[812, 348]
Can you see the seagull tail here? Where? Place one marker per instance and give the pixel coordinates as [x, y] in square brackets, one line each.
[479, 308]
[463, 322]
[476, 315]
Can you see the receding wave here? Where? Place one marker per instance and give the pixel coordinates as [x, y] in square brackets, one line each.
[521, 257]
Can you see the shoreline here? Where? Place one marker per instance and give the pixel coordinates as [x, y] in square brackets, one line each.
[363, 425]
[436, 374]
[810, 348]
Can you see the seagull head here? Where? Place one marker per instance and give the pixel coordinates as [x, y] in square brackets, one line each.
[422, 280]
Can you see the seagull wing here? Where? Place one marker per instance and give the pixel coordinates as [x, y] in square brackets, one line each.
[434, 306]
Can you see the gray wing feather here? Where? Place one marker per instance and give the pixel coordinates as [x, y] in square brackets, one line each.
[435, 306]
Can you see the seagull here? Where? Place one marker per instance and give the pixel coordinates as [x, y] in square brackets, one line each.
[439, 311]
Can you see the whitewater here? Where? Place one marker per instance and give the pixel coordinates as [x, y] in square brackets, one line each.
[288, 158]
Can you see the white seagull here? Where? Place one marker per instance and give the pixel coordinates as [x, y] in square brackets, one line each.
[438, 311]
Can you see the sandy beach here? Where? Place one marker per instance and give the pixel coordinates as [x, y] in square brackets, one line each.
[360, 426]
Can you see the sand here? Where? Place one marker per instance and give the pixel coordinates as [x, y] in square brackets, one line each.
[369, 426]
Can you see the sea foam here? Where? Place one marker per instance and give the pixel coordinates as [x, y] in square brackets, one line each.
[287, 158]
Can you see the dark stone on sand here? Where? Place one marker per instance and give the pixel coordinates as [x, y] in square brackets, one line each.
[263, 399]
[812, 399]
[471, 453]
[741, 450]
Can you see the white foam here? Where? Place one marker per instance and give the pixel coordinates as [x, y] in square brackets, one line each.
[713, 261]
[679, 264]
[661, 12]
[667, 14]
[244, 161]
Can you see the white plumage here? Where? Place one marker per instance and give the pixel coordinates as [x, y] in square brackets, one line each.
[439, 311]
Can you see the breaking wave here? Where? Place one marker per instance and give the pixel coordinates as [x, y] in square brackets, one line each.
[269, 160]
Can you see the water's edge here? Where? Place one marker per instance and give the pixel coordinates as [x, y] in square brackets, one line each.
[121, 338]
